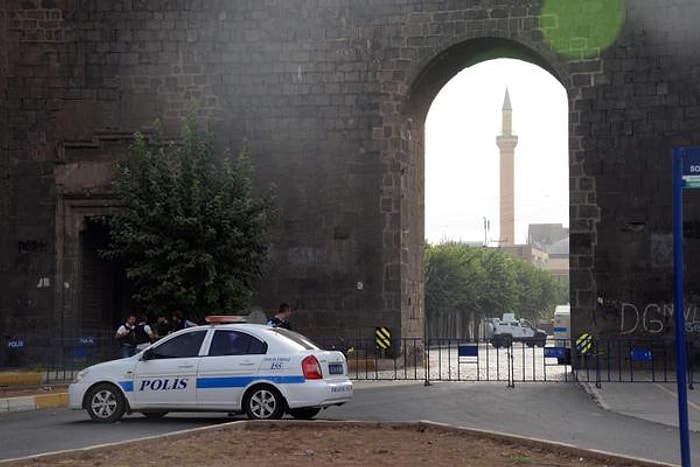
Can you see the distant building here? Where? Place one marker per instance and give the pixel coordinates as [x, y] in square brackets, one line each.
[558, 264]
[552, 256]
[546, 235]
[528, 253]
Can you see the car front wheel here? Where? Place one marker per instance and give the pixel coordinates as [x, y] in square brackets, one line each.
[105, 403]
[304, 413]
[264, 403]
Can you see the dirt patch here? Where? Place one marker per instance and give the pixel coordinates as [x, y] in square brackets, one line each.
[290, 443]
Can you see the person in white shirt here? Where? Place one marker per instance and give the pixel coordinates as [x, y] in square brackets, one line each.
[126, 336]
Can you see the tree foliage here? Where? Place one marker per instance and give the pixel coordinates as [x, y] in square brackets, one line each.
[191, 232]
[465, 284]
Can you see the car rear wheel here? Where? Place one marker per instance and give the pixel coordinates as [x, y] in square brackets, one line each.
[264, 403]
[304, 413]
[105, 403]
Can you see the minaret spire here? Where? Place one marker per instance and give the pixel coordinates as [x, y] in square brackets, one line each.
[506, 142]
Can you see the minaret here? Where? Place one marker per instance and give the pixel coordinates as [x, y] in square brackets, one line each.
[506, 143]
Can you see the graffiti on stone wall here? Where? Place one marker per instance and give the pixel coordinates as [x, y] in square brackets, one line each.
[32, 246]
[656, 318]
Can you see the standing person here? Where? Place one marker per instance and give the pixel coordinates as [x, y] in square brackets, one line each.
[163, 326]
[144, 334]
[281, 318]
[178, 321]
[126, 336]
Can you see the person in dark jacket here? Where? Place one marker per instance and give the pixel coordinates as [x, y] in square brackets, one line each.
[144, 333]
[178, 321]
[163, 326]
[281, 318]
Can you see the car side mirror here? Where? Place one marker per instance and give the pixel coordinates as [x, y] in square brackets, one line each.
[148, 354]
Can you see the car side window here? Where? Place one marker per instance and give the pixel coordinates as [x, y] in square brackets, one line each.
[228, 342]
[183, 346]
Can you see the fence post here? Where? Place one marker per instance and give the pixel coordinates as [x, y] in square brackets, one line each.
[511, 363]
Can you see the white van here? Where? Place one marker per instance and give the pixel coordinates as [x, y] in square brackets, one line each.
[561, 330]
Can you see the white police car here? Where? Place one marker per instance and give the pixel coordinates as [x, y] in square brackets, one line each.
[255, 369]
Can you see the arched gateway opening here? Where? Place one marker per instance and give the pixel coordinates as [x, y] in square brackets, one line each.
[496, 199]
[429, 79]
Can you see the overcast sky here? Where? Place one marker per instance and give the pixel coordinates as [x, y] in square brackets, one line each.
[462, 158]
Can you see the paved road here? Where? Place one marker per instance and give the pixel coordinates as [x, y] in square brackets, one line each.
[48, 430]
[559, 412]
[556, 412]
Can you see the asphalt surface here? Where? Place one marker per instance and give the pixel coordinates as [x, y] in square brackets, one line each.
[632, 419]
[654, 402]
[612, 418]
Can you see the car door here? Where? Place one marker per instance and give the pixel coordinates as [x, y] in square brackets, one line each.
[165, 376]
[232, 362]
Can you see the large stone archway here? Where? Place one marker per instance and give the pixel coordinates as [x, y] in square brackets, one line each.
[426, 79]
[425, 83]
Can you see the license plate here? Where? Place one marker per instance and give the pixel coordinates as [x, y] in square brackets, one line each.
[335, 368]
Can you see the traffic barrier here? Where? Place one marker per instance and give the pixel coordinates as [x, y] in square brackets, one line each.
[21, 378]
[594, 359]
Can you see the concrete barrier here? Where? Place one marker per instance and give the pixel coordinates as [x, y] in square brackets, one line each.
[21, 378]
[41, 401]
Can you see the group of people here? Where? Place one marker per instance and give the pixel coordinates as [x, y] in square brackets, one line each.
[135, 334]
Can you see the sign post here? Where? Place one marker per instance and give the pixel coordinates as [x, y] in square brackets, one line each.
[686, 174]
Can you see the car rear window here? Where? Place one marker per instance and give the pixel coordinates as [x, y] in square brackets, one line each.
[303, 341]
[228, 342]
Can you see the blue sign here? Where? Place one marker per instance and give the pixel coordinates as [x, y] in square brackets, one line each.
[691, 167]
[15, 344]
[641, 355]
[464, 350]
[555, 352]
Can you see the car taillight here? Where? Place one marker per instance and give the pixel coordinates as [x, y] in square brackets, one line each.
[311, 368]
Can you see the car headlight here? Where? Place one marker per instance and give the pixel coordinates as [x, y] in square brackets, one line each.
[81, 374]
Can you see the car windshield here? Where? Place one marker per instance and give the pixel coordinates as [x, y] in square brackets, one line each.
[303, 341]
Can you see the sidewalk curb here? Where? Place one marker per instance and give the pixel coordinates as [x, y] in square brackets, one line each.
[21, 378]
[593, 392]
[40, 401]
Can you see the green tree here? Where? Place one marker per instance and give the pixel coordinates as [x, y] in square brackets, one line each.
[454, 284]
[536, 291]
[464, 285]
[501, 294]
[191, 232]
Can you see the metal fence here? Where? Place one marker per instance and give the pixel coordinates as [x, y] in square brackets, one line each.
[614, 360]
[452, 360]
[598, 361]
[59, 358]
[633, 360]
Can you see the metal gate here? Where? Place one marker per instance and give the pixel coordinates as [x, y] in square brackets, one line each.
[598, 361]
[633, 360]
